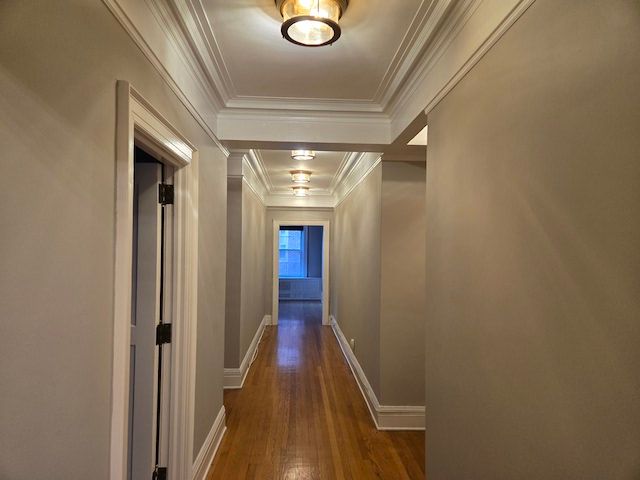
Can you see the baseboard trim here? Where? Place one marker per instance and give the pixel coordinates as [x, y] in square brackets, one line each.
[385, 417]
[234, 377]
[207, 453]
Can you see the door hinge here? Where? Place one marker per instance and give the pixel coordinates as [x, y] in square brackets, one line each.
[160, 473]
[165, 194]
[163, 333]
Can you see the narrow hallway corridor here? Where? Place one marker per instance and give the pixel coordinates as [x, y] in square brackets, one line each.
[300, 414]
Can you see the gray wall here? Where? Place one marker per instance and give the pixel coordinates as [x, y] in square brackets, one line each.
[402, 273]
[59, 62]
[253, 267]
[314, 252]
[234, 273]
[246, 259]
[533, 265]
[286, 214]
[355, 272]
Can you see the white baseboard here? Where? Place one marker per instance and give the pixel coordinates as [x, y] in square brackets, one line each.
[205, 457]
[234, 377]
[385, 417]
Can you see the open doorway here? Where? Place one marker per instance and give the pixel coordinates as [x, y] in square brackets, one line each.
[155, 295]
[150, 364]
[301, 270]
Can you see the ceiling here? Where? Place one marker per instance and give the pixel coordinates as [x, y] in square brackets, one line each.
[325, 167]
[260, 63]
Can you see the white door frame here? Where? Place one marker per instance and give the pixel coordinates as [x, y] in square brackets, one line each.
[138, 122]
[325, 264]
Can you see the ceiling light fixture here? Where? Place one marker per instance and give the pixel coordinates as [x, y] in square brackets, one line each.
[303, 154]
[300, 176]
[311, 23]
[300, 191]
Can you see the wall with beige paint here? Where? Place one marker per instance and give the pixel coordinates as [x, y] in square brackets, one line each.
[355, 272]
[377, 279]
[59, 62]
[533, 265]
[402, 277]
[246, 260]
[254, 259]
[232, 357]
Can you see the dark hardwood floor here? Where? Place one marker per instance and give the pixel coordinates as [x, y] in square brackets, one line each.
[301, 416]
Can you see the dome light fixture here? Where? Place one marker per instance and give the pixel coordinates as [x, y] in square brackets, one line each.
[303, 154]
[300, 176]
[300, 191]
[311, 23]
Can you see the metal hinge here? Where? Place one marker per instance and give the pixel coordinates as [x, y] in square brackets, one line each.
[163, 333]
[165, 194]
[160, 473]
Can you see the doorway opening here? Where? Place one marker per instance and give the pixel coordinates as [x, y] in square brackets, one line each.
[301, 270]
[151, 318]
[155, 294]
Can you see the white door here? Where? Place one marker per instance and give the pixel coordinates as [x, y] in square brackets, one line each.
[149, 366]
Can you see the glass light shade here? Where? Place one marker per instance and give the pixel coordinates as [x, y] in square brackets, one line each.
[311, 23]
[303, 154]
[299, 191]
[300, 176]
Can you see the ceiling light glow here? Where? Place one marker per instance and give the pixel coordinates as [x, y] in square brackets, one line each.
[303, 154]
[311, 23]
[300, 176]
[300, 191]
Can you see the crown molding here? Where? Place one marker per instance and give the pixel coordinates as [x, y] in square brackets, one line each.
[365, 164]
[444, 41]
[470, 30]
[148, 37]
[428, 17]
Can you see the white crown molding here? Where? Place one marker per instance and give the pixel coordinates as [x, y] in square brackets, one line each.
[356, 175]
[423, 27]
[443, 42]
[198, 34]
[348, 162]
[470, 30]
[149, 37]
[385, 417]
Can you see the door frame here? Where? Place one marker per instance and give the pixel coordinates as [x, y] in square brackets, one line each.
[326, 224]
[137, 121]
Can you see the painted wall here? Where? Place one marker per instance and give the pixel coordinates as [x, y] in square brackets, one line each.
[533, 265]
[286, 214]
[234, 273]
[314, 252]
[355, 272]
[402, 272]
[254, 258]
[59, 62]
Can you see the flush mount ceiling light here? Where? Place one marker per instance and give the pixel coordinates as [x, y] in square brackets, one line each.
[300, 191]
[300, 176]
[311, 23]
[303, 154]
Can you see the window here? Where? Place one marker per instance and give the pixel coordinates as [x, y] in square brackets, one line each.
[293, 258]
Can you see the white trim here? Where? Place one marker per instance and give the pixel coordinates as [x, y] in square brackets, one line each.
[234, 377]
[152, 38]
[385, 417]
[137, 120]
[442, 43]
[326, 237]
[207, 453]
[358, 173]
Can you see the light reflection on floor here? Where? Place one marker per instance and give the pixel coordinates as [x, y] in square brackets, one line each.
[293, 317]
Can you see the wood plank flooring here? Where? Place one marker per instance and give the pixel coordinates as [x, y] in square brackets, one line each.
[301, 416]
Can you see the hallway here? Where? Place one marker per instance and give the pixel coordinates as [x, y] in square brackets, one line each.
[301, 416]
